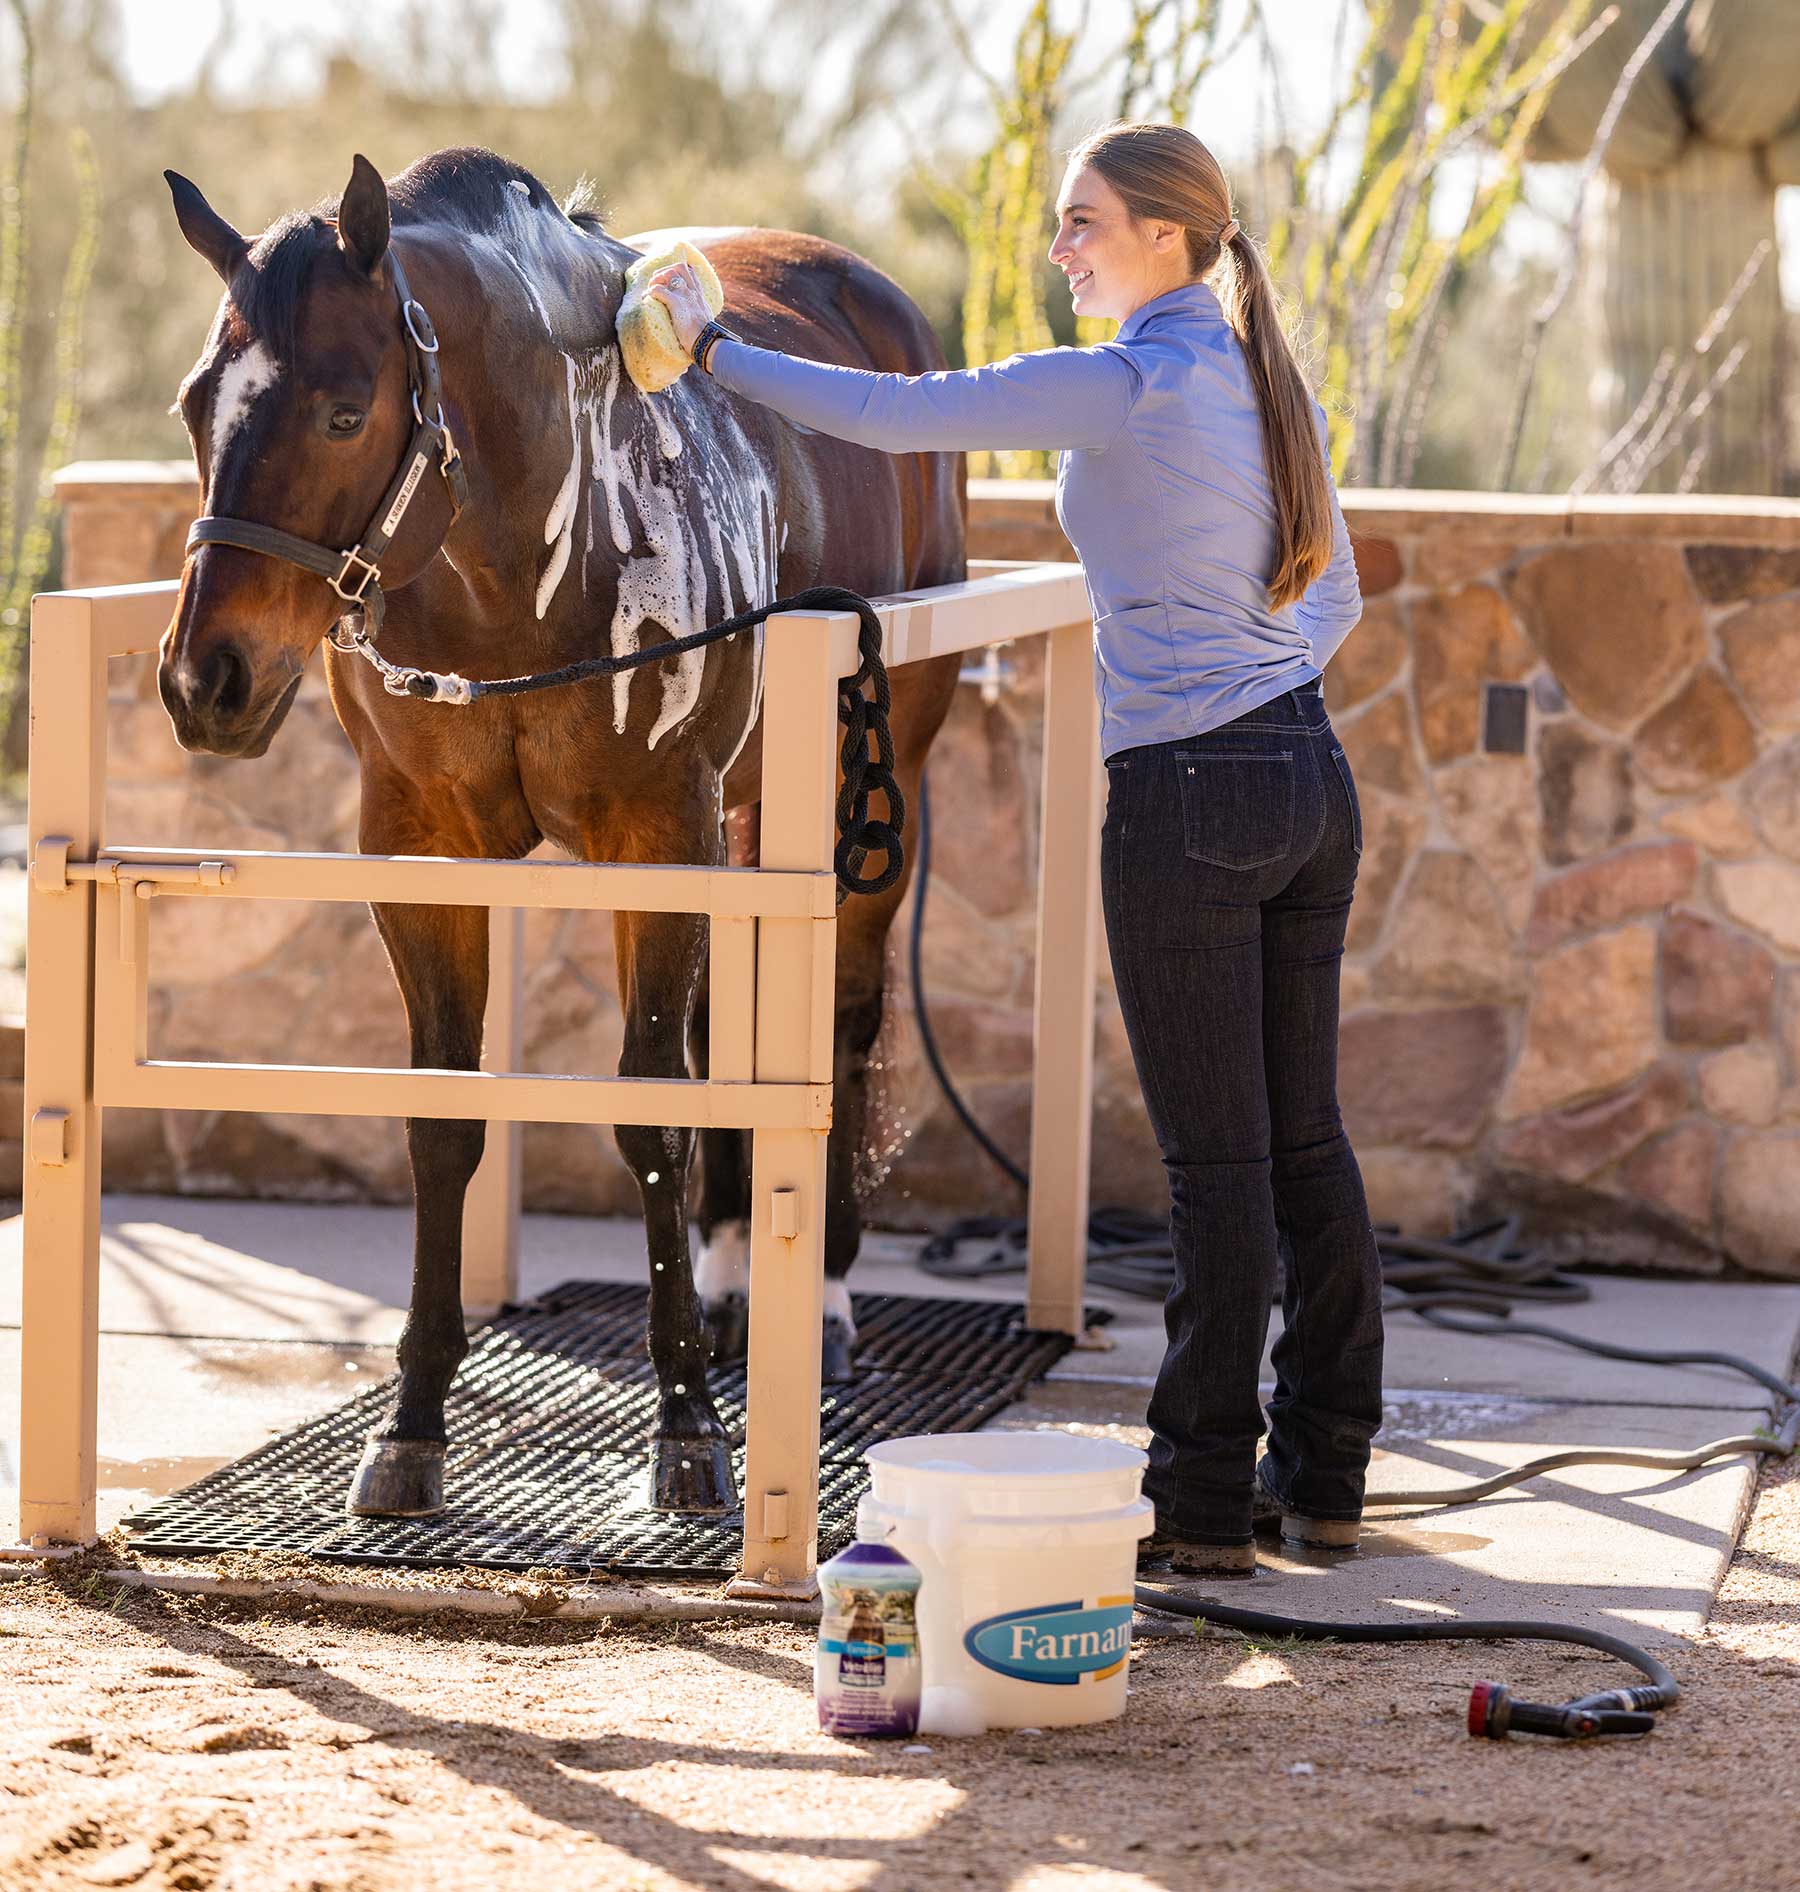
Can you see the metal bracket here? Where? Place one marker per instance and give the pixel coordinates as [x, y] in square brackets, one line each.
[50, 1137]
[50, 864]
[784, 1213]
[53, 872]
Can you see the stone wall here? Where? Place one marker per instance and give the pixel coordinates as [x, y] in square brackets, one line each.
[1573, 980]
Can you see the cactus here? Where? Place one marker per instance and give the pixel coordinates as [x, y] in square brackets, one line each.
[1435, 77]
[25, 495]
[1684, 200]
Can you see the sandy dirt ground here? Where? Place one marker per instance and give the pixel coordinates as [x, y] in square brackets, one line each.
[154, 1741]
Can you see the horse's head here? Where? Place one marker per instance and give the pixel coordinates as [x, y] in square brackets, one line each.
[298, 410]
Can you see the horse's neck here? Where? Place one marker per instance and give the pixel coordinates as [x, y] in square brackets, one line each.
[552, 290]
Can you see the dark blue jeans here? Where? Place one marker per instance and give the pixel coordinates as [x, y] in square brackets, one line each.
[1227, 864]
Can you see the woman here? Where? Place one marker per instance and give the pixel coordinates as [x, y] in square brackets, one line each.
[1195, 487]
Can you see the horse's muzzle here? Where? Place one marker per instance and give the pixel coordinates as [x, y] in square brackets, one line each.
[215, 706]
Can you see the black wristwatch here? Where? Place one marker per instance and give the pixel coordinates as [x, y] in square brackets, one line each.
[714, 331]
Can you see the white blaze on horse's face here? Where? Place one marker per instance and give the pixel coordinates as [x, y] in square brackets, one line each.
[243, 378]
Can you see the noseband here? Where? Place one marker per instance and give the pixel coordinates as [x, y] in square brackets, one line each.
[355, 573]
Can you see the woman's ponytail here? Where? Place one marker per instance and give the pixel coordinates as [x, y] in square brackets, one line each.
[1290, 435]
[1165, 172]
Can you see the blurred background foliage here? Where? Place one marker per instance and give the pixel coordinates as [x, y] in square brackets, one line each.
[1473, 313]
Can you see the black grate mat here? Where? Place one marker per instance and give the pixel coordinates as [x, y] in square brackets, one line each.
[548, 1422]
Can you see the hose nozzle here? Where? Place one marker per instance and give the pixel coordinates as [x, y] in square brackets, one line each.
[1494, 1713]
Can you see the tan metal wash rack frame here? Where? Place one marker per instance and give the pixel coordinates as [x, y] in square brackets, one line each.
[773, 934]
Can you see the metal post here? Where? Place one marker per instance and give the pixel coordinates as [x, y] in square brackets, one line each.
[60, 1320]
[490, 1271]
[795, 1006]
[1062, 1081]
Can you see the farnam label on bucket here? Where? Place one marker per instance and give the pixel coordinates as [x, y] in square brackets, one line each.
[1061, 1643]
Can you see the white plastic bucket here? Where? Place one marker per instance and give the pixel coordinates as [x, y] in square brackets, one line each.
[1026, 1544]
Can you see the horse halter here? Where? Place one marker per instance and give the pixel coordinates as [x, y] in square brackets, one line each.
[355, 573]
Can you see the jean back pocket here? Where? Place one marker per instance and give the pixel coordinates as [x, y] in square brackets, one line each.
[1237, 806]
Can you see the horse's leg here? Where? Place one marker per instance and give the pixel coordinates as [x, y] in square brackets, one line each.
[439, 956]
[660, 958]
[722, 1273]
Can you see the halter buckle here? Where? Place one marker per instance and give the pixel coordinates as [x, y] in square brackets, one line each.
[359, 592]
[428, 341]
[436, 421]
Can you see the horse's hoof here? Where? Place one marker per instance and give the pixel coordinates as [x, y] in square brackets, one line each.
[398, 1478]
[728, 1327]
[837, 1345]
[691, 1475]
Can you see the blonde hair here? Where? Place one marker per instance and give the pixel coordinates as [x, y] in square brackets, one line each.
[1165, 172]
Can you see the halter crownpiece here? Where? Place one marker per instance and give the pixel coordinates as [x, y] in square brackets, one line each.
[1230, 230]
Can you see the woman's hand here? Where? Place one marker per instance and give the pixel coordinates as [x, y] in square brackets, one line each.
[678, 288]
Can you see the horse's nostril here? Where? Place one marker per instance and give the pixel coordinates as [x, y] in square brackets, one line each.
[225, 683]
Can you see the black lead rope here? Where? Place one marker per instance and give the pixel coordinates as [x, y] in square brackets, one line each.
[859, 833]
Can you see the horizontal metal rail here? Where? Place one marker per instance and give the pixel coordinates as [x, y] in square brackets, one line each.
[738, 893]
[321, 1090]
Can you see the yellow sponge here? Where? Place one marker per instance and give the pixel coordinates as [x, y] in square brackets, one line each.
[653, 357]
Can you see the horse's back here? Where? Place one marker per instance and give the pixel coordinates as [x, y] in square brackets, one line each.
[807, 295]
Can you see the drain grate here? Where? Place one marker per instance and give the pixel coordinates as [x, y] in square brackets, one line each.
[547, 1422]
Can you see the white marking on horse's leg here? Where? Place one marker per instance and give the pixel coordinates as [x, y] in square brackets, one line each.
[724, 1264]
[244, 377]
[837, 1305]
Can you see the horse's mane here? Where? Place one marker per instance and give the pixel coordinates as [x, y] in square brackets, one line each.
[463, 186]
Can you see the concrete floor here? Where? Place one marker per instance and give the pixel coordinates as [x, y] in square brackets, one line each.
[225, 1322]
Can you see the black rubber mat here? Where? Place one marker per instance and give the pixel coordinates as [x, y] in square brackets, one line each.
[548, 1421]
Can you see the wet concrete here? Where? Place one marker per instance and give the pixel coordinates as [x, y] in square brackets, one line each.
[172, 1410]
[224, 1323]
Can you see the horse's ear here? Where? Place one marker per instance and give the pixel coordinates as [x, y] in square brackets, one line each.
[363, 216]
[205, 229]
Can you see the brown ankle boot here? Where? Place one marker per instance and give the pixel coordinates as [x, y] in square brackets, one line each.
[1270, 1518]
[1183, 1557]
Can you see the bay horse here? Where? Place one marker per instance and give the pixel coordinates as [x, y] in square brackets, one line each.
[552, 512]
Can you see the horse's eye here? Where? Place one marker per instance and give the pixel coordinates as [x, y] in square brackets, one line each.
[343, 421]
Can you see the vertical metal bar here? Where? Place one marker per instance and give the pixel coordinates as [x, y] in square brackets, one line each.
[60, 1321]
[731, 1002]
[490, 1271]
[787, 1187]
[1063, 1065]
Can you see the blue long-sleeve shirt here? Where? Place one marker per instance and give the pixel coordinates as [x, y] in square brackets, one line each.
[1160, 488]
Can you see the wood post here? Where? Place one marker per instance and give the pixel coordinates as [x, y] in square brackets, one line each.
[59, 1337]
[795, 1006]
[1062, 1076]
[490, 1270]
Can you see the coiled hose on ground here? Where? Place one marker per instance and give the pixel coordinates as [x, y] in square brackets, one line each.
[1469, 1284]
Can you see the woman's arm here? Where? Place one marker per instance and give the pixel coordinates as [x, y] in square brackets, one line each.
[1332, 604]
[1055, 397]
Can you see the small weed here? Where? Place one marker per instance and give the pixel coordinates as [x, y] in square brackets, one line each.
[1283, 1645]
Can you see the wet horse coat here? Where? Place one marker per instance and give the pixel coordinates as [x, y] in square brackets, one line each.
[600, 520]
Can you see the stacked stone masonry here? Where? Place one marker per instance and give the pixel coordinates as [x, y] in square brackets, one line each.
[1572, 983]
